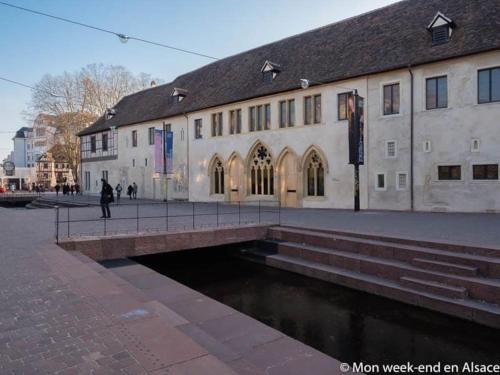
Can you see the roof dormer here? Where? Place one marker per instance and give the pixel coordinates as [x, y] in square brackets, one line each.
[440, 28]
[110, 113]
[270, 71]
[179, 93]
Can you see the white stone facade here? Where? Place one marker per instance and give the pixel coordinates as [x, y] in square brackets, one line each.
[462, 134]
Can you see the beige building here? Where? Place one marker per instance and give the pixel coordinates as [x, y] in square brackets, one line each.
[247, 128]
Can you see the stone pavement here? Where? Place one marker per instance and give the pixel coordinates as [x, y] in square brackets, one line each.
[65, 314]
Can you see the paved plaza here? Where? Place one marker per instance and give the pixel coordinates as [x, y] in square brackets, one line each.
[68, 315]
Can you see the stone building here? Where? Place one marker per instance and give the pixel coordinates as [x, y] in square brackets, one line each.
[247, 128]
[52, 169]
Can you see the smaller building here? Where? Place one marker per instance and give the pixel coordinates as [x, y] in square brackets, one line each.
[21, 142]
[16, 178]
[52, 169]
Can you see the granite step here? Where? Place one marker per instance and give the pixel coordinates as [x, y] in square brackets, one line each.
[478, 311]
[486, 265]
[445, 267]
[479, 288]
[434, 287]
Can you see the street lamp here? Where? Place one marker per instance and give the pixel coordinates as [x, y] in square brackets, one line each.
[123, 38]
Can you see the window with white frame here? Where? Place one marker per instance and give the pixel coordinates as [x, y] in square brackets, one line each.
[151, 135]
[197, 128]
[217, 124]
[391, 99]
[401, 180]
[287, 113]
[380, 181]
[474, 145]
[391, 149]
[427, 146]
[235, 121]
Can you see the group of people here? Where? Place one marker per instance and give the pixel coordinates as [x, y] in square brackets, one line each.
[107, 196]
[68, 189]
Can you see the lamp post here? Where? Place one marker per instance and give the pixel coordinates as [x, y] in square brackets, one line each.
[355, 117]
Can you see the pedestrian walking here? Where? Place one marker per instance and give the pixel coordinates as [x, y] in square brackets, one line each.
[106, 199]
[77, 189]
[130, 190]
[57, 187]
[118, 189]
[72, 189]
[134, 192]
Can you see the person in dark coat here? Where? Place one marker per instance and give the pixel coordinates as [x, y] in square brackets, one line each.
[130, 190]
[106, 199]
[57, 187]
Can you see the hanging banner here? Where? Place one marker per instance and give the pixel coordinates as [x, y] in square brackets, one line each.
[355, 115]
[158, 150]
[169, 154]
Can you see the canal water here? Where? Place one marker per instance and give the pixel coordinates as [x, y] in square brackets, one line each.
[348, 325]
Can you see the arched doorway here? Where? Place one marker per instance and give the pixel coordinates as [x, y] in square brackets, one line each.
[236, 184]
[288, 180]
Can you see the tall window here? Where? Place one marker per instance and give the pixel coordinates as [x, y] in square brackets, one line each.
[287, 113]
[312, 109]
[252, 119]
[151, 136]
[267, 116]
[92, 144]
[317, 109]
[315, 175]
[307, 110]
[235, 121]
[391, 99]
[488, 85]
[105, 175]
[87, 180]
[105, 142]
[134, 138]
[197, 128]
[449, 172]
[436, 93]
[342, 106]
[218, 177]
[217, 124]
[261, 172]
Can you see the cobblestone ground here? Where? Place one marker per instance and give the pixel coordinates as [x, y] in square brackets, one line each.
[59, 316]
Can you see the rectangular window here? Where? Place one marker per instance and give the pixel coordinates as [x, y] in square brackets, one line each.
[283, 117]
[485, 172]
[217, 124]
[390, 149]
[291, 112]
[401, 180]
[342, 106]
[436, 93]
[92, 144]
[449, 172]
[146, 162]
[133, 162]
[307, 110]
[168, 127]
[151, 136]
[380, 181]
[260, 116]
[235, 121]
[251, 119]
[105, 142]
[267, 116]
[488, 83]
[197, 128]
[134, 138]
[87, 180]
[391, 99]
[105, 175]
[317, 109]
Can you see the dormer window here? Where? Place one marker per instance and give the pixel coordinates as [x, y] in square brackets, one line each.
[270, 71]
[179, 93]
[440, 28]
[110, 113]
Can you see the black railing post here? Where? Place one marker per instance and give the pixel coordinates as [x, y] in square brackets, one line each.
[105, 219]
[57, 224]
[217, 210]
[166, 217]
[279, 212]
[68, 222]
[259, 211]
[137, 214]
[239, 212]
[193, 215]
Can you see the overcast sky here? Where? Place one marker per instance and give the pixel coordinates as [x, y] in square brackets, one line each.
[32, 45]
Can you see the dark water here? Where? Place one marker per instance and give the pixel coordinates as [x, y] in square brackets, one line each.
[348, 325]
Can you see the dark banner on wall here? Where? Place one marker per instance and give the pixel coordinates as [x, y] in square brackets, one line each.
[169, 153]
[355, 115]
[158, 151]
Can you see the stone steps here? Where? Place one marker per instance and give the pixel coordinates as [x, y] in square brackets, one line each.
[486, 265]
[474, 310]
[479, 288]
[434, 287]
[434, 265]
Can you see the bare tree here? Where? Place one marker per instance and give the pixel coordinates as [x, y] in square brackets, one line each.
[78, 99]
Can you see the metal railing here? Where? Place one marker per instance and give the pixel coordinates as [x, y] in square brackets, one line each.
[162, 216]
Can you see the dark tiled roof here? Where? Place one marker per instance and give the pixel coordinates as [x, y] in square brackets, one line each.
[385, 39]
[20, 132]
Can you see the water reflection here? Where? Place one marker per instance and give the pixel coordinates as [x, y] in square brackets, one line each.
[345, 324]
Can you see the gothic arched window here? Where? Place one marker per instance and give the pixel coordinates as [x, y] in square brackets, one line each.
[315, 174]
[217, 177]
[261, 172]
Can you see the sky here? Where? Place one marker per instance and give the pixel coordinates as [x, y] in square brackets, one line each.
[32, 45]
